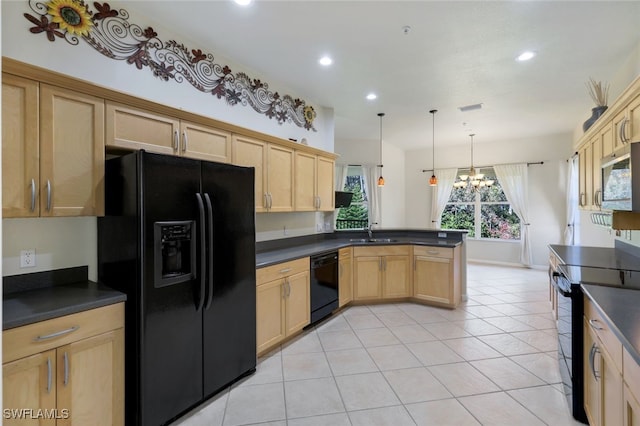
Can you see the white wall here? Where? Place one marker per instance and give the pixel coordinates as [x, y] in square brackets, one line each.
[59, 243]
[547, 190]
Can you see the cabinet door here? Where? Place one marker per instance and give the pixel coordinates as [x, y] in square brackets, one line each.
[592, 388]
[298, 302]
[91, 380]
[270, 307]
[305, 181]
[596, 155]
[367, 278]
[325, 185]
[582, 176]
[607, 138]
[20, 144]
[204, 143]
[280, 178]
[631, 411]
[633, 126]
[395, 281]
[432, 279]
[617, 127]
[30, 383]
[253, 153]
[612, 397]
[345, 281]
[131, 128]
[72, 153]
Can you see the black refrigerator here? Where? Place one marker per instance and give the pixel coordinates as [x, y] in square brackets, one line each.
[178, 237]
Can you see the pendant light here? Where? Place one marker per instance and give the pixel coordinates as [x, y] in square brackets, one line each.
[433, 181]
[381, 179]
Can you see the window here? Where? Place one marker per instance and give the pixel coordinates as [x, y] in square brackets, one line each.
[484, 212]
[356, 216]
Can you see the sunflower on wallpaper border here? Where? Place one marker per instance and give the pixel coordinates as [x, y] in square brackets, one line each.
[71, 16]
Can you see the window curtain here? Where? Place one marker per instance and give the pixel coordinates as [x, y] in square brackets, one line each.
[371, 175]
[514, 181]
[441, 193]
[571, 237]
[342, 171]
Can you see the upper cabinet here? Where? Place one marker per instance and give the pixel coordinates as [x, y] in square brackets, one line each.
[273, 172]
[132, 128]
[53, 150]
[618, 126]
[56, 130]
[314, 175]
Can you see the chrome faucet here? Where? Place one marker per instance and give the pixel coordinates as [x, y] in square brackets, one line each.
[369, 229]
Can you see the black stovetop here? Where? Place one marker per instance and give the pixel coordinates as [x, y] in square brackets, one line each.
[601, 276]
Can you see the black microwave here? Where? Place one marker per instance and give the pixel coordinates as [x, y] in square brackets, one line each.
[620, 183]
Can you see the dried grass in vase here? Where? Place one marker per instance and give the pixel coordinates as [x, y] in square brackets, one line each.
[598, 91]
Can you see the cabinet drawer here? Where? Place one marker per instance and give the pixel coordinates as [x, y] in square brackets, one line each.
[631, 374]
[432, 251]
[609, 340]
[345, 253]
[382, 251]
[41, 336]
[281, 270]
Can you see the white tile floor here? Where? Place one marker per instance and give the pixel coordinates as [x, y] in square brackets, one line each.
[492, 361]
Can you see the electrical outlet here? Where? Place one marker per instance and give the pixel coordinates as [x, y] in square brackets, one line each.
[319, 227]
[28, 258]
[285, 231]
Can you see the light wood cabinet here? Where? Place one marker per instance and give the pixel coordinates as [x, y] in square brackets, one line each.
[381, 272]
[314, 176]
[345, 276]
[585, 176]
[274, 174]
[131, 128]
[603, 390]
[626, 124]
[20, 147]
[282, 302]
[436, 276]
[53, 151]
[631, 409]
[631, 392]
[73, 365]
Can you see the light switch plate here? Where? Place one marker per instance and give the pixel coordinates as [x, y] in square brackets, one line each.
[28, 258]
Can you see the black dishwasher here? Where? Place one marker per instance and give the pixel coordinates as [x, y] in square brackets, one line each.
[324, 285]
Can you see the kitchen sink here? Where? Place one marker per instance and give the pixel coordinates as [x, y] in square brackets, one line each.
[372, 240]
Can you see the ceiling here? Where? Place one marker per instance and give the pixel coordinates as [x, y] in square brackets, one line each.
[456, 53]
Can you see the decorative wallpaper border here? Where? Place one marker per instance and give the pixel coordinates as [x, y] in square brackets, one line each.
[109, 32]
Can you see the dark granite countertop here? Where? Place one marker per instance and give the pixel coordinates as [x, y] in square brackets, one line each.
[28, 299]
[596, 257]
[621, 309]
[310, 247]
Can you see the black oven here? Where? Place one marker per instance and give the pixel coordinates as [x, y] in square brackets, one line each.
[570, 340]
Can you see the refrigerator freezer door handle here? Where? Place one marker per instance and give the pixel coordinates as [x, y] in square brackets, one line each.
[203, 259]
[210, 250]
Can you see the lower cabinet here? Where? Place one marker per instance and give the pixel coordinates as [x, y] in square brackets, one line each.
[603, 383]
[282, 302]
[345, 276]
[68, 370]
[381, 272]
[631, 392]
[436, 275]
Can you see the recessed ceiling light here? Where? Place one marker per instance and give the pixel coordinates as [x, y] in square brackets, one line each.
[525, 56]
[243, 2]
[372, 96]
[326, 61]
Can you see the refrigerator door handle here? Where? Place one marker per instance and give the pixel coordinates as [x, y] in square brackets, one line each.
[203, 259]
[210, 250]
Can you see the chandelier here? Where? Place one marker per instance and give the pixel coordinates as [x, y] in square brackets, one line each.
[474, 180]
